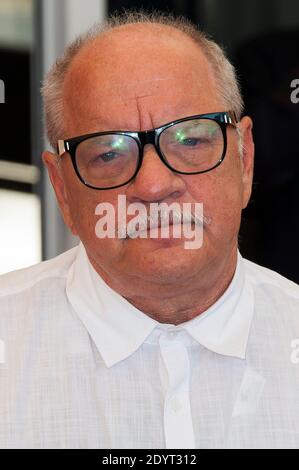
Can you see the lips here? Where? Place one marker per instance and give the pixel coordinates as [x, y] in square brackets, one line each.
[162, 217]
[158, 221]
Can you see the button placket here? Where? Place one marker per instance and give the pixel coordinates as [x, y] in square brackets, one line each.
[178, 424]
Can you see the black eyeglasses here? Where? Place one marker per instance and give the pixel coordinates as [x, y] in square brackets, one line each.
[189, 146]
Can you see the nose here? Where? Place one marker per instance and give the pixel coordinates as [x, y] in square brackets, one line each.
[155, 181]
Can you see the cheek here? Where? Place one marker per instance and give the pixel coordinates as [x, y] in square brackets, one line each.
[83, 202]
[82, 208]
[221, 195]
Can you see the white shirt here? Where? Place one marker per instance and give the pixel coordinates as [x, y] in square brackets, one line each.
[80, 367]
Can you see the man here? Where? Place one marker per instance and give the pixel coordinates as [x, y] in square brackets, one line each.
[138, 341]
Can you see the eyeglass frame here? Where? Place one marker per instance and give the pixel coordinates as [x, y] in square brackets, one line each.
[151, 136]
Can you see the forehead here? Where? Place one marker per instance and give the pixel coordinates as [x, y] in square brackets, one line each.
[136, 74]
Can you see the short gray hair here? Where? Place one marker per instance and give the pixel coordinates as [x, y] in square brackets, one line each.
[226, 81]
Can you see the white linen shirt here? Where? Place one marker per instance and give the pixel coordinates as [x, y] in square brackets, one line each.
[80, 367]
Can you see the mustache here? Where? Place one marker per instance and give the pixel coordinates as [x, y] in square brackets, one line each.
[159, 218]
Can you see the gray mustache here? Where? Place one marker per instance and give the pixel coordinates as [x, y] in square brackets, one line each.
[161, 218]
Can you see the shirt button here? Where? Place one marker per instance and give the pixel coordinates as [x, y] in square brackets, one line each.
[176, 405]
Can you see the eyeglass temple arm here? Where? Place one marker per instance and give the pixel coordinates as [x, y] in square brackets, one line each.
[232, 118]
[61, 147]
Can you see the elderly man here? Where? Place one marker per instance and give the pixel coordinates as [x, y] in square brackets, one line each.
[134, 339]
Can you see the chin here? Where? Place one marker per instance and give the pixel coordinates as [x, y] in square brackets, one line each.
[168, 263]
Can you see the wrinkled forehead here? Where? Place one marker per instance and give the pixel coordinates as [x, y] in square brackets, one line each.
[128, 69]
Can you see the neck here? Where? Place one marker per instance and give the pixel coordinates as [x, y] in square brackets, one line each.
[184, 304]
[177, 304]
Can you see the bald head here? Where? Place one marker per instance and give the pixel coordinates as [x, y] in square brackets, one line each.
[132, 65]
[116, 50]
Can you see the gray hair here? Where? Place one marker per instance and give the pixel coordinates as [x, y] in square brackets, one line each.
[226, 81]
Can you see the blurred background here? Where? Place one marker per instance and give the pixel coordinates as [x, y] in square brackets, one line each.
[261, 39]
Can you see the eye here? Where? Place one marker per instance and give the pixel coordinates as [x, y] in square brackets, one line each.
[190, 141]
[107, 157]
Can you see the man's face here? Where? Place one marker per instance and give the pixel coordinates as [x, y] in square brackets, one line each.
[138, 78]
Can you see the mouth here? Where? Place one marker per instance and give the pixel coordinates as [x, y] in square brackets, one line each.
[159, 227]
[164, 223]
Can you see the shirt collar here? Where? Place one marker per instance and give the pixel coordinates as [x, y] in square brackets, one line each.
[224, 327]
[115, 325]
[118, 328]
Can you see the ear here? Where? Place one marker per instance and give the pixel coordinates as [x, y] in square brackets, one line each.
[56, 177]
[247, 159]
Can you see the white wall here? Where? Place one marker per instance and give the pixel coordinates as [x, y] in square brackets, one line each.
[62, 21]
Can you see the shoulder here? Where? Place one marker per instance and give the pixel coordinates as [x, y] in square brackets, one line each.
[22, 280]
[275, 325]
[276, 298]
[270, 280]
